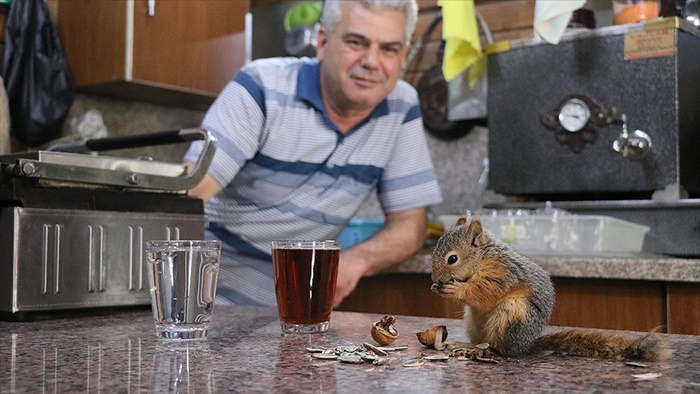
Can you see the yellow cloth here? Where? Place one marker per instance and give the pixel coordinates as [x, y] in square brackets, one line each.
[461, 35]
[552, 17]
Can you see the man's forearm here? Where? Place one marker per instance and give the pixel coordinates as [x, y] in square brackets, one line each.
[400, 238]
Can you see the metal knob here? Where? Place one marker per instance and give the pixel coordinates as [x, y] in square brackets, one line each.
[635, 145]
[28, 169]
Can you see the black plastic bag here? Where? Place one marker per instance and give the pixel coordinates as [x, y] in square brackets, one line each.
[36, 74]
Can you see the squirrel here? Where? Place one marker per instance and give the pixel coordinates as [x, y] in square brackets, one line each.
[508, 300]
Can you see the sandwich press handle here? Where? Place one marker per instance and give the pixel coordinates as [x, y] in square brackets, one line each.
[187, 180]
[200, 168]
[182, 182]
[132, 141]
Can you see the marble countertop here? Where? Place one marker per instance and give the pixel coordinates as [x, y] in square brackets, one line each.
[246, 352]
[630, 266]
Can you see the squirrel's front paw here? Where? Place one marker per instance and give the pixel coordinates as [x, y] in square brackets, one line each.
[443, 288]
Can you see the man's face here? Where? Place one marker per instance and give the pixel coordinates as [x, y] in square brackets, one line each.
[361, 59]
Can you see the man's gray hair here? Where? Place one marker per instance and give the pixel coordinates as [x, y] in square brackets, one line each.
[332, 12]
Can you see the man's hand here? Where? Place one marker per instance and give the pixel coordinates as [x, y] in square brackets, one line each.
[349, 273]
[206, 189]
[401, 237]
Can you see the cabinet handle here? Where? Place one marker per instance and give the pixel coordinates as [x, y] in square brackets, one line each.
[151, 7]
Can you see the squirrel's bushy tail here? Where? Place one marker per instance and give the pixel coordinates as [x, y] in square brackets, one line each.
[601, 345]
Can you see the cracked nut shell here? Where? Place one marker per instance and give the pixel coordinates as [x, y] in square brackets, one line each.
[433, 337]
[384, 332]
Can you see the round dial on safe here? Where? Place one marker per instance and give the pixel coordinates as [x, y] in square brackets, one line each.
[574, 115]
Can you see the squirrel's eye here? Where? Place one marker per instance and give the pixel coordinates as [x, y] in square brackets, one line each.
[451, 259]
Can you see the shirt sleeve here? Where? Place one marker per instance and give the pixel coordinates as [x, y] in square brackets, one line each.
[236, 120]
[409, 179]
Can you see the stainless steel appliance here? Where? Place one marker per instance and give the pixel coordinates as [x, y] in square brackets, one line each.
[605, 122]
[73, 225]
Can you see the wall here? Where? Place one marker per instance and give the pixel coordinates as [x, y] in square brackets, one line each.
[133, 117]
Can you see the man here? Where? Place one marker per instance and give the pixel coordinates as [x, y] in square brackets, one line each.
[303, 142]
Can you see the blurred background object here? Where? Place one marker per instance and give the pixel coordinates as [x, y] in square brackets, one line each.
[5, 147]
[633, 11]
[690, 12]
[89, 125]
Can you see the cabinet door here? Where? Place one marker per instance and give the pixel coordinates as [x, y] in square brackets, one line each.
[191, 44]
[93, 38]
[117, 47]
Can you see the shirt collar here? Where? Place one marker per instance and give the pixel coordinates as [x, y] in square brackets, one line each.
[309, 89]
[309, 85]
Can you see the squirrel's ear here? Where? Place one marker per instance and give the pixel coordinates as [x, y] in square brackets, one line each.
[461, 221]
[476, 234]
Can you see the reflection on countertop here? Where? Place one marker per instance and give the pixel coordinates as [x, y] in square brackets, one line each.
[640, 266]
[246, 352]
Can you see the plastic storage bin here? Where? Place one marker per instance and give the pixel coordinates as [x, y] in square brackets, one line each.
[565, 234]
[359, 230]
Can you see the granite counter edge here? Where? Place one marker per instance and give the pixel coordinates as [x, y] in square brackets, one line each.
[631, 267]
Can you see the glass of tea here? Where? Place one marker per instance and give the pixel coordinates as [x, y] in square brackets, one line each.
[305, 279]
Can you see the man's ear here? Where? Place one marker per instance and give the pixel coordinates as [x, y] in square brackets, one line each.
[406, 50]
[321, 42]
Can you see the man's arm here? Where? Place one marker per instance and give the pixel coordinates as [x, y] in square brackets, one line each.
[401, 237]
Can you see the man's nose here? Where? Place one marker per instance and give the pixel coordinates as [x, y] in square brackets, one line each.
[371, 56]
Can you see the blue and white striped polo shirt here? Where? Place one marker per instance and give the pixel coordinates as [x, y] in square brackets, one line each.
[288, 172]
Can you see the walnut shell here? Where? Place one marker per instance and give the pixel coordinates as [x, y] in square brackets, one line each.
[384, 332]
[433, 337]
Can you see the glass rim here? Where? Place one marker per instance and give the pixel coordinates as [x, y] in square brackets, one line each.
[184, 243]
[329, 244]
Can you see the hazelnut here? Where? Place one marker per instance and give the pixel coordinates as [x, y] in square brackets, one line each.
[433, 337]
[384, 331]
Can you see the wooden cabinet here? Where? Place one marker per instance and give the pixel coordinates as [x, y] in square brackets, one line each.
[683, 305]
[593, 303]
[613, 304]
[181, 53]
[399, 294]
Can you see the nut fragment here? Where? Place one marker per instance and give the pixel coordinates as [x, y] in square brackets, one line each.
[378, 351]
[350, 358]
[325, 356]
[433, 337]
[384, 331]
[415, 362]
[437, 357]
[315, 349]
[481, 352]
[393, 348]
